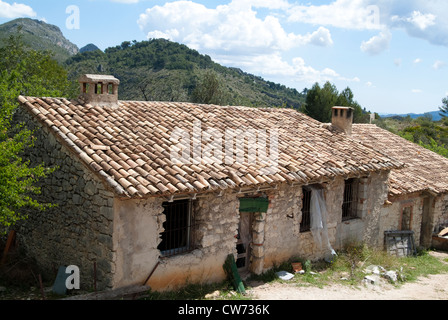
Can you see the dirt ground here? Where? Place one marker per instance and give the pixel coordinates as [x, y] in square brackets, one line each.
[433, 287]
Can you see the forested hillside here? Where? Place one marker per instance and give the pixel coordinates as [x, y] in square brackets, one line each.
[432, 135]
[167, 71]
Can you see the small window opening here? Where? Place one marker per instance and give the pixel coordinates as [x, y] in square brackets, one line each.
[178, 235]
[98, 88]
[85, 88]
[349, 113]
[349, 205]
[305, 225]
[110, 88]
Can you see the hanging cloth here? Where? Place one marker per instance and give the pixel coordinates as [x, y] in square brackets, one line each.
[318, 213]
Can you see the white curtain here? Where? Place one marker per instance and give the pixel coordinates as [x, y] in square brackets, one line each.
[318, 213]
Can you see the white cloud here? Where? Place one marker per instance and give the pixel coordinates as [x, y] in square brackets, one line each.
[420, 18]
[416, 91]
[347, 14]
[416, 19]
[321, 37]
[236, 36]
[417, 61]
[377, 44]
[15, 10]
[438, 65]
[233, 28]
[422, 21]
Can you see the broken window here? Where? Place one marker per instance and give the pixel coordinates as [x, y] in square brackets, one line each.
[305, 225]
[349, 205]
[178, 235]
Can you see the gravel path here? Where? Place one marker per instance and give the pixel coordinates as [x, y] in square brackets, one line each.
[433, 287]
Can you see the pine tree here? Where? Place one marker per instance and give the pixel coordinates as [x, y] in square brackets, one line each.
[444, 108]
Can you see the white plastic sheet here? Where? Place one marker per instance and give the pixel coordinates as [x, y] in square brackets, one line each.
[318, 213]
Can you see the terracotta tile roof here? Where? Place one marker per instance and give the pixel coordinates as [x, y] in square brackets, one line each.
[129, 146]
[424, 170]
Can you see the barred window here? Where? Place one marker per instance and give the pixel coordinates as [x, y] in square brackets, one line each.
[349, 205]
[178, 235]
[305, 225]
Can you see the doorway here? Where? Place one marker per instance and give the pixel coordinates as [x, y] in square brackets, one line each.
[244, 237]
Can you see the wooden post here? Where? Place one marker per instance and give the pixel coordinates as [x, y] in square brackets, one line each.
[41, 287]
[9, 242]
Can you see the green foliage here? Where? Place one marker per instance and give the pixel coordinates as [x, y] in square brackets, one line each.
[430, 135]
[321, 100]
[161, 70]
[23, 72]
[210, 90]
[444, 108]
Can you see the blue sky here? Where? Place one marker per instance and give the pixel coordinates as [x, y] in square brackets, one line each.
[391, 53]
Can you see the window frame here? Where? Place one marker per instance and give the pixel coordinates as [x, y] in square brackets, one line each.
[305, 224]
[350, 201]
[178, 235]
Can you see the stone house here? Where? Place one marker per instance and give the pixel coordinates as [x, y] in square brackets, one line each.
[162, 192]
[418, 193]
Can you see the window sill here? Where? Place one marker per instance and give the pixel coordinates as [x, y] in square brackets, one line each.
[348, 220]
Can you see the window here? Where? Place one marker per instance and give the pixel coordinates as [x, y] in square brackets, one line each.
[178, 235]
[349, 205]
[305, 225]
[85, 88]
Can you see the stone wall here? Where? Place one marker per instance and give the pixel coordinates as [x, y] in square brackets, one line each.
[391, 215]
[283, 239]
[440, 213]
[139, 224]
[79, 230]
[282, 225]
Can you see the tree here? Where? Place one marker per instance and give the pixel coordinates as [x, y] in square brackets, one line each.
[23, 72]
[320, 101]
[444, 108]
[210, 90]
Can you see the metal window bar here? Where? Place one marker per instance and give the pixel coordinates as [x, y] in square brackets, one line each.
[178, 235]
[305, 225]
[349, 205]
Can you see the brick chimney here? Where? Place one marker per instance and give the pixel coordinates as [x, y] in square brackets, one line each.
[343, 119]
[99, 90]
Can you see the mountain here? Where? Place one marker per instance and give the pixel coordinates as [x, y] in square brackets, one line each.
[162, 70]
[88, 48]
[435, 115]
[39, 36]
[153, 70]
